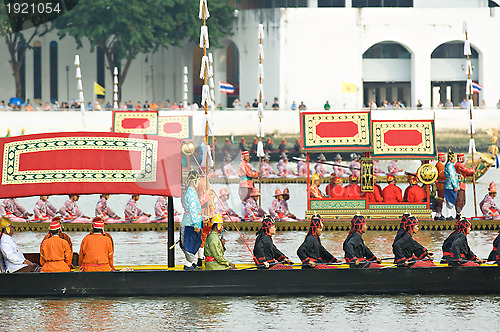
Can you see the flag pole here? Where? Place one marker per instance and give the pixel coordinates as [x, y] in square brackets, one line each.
[469, 92]
[260, 108]
[212, 98]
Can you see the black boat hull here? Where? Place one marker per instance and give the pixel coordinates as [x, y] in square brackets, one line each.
[331, 282]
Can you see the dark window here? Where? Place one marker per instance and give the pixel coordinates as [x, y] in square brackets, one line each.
[100, 69]
[382, 3]
[331, 3]
[53, 72]
[37, 72]
[387, 50]
[22, 70]
[452, 50]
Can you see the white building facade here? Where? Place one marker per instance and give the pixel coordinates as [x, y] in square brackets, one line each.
[409, 52]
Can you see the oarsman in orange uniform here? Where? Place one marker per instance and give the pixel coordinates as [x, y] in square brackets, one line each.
[392, 193]
[246, 173]
[96, 250]
[414, 193]
[353, 189]
[376, 195]
[314, 189]
[55, 252]
[462, 172]
[335, 189]
[440, 186]
[61, 234]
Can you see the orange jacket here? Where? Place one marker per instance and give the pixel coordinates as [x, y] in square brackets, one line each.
[336, 191]
[353, 191]
[416, 194]
[441, 177]
[375, 196]
[63, 236]
[55, 255]
[96, 253]
[392, 194]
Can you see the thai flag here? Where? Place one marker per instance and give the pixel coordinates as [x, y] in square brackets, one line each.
[476, 88]
[226, 87]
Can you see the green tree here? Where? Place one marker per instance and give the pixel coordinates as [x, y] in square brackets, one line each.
[124, 28]
[17, 43]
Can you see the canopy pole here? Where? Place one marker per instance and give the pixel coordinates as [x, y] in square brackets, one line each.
[170, 232]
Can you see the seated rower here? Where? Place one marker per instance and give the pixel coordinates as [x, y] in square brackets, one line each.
[55, 252]
[96, 250]
[70, 211]
[222, 207]
[353, 189]
[103, 211]
[414, 193]
[15, 211]
[161, 210]
[447, 257]
[253, 212]
[392, 193]
[277, 209]
[215, 247]
[376, 194]
[314, 188]
[407, 251]
[494, 255]
[488, 207]
[357, 254]
[461, 255]
[335, 189]
[44, 211]
[311, 252]
[265, 252]
[133, 214]
[267, 170]
[284, 202]
[12, 259]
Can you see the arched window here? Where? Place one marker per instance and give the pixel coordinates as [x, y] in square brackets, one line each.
[22, 70]
[387, 50]
[53, 72]
[37, 70]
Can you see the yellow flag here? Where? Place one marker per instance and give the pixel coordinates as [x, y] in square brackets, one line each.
[98, 90]
[348, 87]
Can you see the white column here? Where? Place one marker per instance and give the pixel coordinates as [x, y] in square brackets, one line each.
[421, 79]
[313, 3]
[348, 3]
[488, 78]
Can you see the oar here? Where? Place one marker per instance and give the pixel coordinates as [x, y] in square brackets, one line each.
[172, 246]
[327, 163]
[260, 266]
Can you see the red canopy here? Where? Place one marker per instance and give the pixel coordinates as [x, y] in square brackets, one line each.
[90, 163]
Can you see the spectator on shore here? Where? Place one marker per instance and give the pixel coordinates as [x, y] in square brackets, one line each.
[237, 104]
[463, 103]
[138, 106]
[108, 106]
[47, 106]
[326, 106]
[97, 106]
[28, 108]
[275, 105]
[448, 104]
[90, 107]
[174, 106]
[266, 106]
[302, 106]
[498, 104]
[419, 105]
[373, 105]
[294, 105]
[255, 103]
[129, 105]
[2, 105]
[248, 105]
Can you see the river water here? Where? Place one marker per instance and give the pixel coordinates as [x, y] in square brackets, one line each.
[352, 313]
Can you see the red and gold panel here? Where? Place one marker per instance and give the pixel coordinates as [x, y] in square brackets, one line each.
[180, 126]
[90, 163]
[338, 131]
[135, 122]
[404, 139]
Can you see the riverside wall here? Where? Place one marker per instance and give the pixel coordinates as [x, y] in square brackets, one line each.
[235, 122]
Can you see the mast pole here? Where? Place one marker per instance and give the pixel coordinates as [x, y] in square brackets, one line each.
[260, 108]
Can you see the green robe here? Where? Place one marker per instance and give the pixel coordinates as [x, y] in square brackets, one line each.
[214, 248]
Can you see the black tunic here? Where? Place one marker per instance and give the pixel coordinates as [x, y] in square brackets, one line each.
[311, 250]
[355, 248]
[460, 251]
[401, 232]
[495, 254]
[405, 247]
[447, 247]
[265, 251]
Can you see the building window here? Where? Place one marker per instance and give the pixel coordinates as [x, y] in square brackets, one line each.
[387, 50]
[100, 70]
[22, 70]
[53, 72]
[452, 50]
[382, 3]
[284, 3]
[37, 70]
[331, 3]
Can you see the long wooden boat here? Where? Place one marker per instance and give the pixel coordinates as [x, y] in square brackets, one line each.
[330, 282]
[299, 226]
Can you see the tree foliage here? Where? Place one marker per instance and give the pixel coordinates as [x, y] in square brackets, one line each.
[124, 28]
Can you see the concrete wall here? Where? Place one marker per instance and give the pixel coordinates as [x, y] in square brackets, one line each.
[230, 122]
